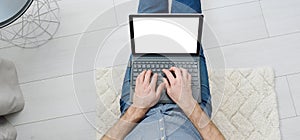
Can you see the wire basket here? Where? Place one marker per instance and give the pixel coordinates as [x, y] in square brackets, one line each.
[35, 27]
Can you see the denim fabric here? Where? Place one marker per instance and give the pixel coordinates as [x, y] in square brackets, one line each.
[167, 120]
[164, 121]
[161, 6]
[153, 6]
[186, 6]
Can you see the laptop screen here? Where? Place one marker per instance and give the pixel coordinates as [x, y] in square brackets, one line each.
[167, 34]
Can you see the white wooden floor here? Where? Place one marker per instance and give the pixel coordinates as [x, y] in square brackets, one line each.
[251, 33]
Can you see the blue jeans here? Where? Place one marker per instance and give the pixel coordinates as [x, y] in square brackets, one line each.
[178, 6]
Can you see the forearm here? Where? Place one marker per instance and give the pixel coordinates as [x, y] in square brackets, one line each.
[125, 124]
[204, 125]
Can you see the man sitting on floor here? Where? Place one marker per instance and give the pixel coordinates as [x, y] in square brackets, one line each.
[144, 118]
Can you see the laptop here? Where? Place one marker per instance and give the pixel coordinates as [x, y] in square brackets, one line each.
[160, 41]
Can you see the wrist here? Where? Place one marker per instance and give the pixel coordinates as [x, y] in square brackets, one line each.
[134, 114]
[188, 106]
[199, 117]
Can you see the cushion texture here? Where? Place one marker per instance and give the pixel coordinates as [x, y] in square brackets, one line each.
[7, 131]
[11, 100]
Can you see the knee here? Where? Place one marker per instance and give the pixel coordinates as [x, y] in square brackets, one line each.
[207, 108]
[186, 6]
[153, 6]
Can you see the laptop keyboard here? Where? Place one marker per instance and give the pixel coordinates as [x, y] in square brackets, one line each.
[156, 67]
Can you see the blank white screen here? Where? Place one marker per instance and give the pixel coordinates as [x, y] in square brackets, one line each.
[166, 34]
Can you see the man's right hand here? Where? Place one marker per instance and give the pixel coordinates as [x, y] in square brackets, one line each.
[179, 89]
[146, 95]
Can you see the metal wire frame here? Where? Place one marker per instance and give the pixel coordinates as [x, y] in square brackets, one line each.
[35, 27]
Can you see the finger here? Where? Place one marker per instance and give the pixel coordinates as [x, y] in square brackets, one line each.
[184, 74]
[141, 77]
[147, 77]
[189, 78]
[138, 78]
[160, 89]
[154, 80]
[177, 72]
[169, 75]
[166, 83]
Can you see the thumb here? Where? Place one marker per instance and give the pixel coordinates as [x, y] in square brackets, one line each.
[159, 89]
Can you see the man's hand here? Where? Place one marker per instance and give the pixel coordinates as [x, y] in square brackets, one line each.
[145, 95]
[144, 98]
[179, 89]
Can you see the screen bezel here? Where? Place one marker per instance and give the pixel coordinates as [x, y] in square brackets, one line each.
[200, 16]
